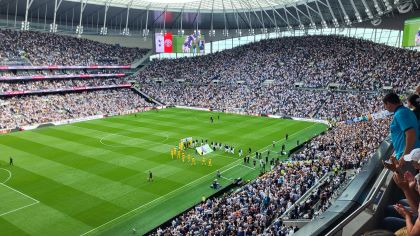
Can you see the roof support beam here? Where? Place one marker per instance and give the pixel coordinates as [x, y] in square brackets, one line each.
[212, 32]
[126, 30]
[146, 30]
[281, 17]
[79, 28]
[53, 27]
[346, 17]
[356, 11]
[104, 29]
[312, 25]
[367, 10]
[323, 22]
[25, 24]
[335, 21]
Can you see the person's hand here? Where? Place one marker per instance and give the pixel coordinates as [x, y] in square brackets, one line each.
[410, 179]
[401, 182]
[391, 164]
[402, 210]
[401, 162]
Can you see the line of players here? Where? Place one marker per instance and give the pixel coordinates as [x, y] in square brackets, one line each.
[180, 154]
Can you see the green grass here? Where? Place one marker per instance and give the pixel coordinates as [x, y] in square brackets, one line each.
[91, 177]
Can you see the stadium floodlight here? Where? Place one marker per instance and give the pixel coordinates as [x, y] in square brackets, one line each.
[369, 13]
[145, 33]
[79, 30]
[225, 32]
[312, 25]
[238, 32]
[378, 8]
[212, 33]
[301, 27]
[358, 17]
[324, 24]
[104, 31]
[251, 31]
[335, 22]
[126, 32]
[387, 5]
[25, 25]
[347, 20]
[264, 30]
[53, 28]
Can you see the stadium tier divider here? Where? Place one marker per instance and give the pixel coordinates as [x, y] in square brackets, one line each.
[353, 197]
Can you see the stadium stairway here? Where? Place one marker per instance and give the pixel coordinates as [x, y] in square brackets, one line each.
[147, 97]
[142, 62]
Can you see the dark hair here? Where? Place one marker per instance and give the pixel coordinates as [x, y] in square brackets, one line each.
[414, 99]
[391, 98]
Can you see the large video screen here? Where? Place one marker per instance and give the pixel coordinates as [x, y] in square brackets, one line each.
[411, 35]
[168, 43]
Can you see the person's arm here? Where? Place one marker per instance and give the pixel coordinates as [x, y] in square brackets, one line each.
[410, 194]
[410, 140]
[407, 217]
[414, 230]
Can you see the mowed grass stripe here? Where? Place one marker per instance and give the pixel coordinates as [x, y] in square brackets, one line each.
[144, 158]
[86, 182]
[70, 201]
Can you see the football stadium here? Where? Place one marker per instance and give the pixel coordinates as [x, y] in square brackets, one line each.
[221, 117]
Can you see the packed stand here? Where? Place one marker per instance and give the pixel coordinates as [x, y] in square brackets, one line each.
[32, 85]
[28, 110]
[54, 49]
[315, 61]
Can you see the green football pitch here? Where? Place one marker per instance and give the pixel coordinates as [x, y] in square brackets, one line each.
[90, 178]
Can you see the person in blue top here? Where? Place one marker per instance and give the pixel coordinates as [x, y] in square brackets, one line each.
[404, 128]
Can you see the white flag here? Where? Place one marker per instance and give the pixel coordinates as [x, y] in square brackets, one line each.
[160, 47]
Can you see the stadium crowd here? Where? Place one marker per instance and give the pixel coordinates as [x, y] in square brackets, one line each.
[28, 110]
[315, 61]
[53, 49]
[58, 84]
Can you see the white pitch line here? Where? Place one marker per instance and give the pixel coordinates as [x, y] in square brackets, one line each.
[94, 229]
[226, 178]
[125, 146]
[164, 196]
[19, 192]
[20, 208]
[247, 167]
[10, 175]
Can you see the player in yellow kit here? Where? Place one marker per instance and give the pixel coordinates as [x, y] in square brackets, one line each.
[189, 158]
[209, 162]
[179, 154]
[183, 157]
[193, 161]
[203, 161]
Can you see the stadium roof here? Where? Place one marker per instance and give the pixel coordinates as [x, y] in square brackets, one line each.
[198, 5]
[250, 15]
